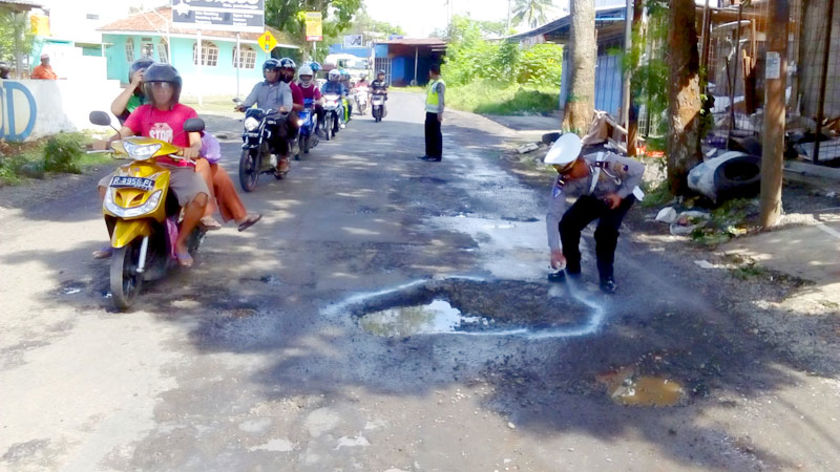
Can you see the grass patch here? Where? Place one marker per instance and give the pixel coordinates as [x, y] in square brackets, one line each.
[727, 221]
[60, 153]
[493, 98]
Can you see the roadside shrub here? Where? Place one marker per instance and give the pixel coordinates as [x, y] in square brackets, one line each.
[541, 65]
[63, 153]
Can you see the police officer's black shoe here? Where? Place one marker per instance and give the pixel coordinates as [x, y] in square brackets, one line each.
[558, 276]
[608, 285]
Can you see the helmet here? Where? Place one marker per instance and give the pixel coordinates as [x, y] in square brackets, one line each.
[315, 66]
[271, 64]
[565, 150]
[159, 72]
[305, 71]
[287, 63]
[139, 64]
[334, 75]
[380, 72]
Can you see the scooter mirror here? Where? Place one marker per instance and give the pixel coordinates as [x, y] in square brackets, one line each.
[100, 118]
[237, 100]
[194, 125]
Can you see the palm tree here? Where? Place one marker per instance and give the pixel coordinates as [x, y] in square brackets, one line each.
[532, 12]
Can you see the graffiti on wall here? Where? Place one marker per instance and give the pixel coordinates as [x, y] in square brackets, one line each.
[18, 111]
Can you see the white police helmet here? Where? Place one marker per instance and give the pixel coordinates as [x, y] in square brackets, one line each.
[565, 150]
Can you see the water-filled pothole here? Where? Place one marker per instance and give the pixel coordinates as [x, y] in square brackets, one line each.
[473, 307]
[627, 388]
[436, 317]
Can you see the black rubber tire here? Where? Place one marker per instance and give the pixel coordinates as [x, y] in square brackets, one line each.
[249, 172]
[549, 138]
[125, 282]
[304, 144]
[739, 177]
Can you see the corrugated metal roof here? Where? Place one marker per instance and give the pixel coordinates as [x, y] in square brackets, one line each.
[415, 42]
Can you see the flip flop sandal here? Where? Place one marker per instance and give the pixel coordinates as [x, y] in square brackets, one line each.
[250, 221]
[210, 224]
[185, 260]
[104, 253]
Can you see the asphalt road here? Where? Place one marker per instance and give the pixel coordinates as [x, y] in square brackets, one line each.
[274, 352]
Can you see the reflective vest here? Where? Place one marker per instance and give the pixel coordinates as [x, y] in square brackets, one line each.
[432, 97]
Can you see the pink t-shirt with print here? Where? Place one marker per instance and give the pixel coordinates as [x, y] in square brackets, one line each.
[165, 125]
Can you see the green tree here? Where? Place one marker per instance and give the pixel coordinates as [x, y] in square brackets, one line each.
[531, 12]
[15, 34]
[289, 16]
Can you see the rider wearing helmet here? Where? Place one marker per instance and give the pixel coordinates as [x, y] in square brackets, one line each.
[306, 83]
[4, 70]
[333, 86]
[163, 118]
[132, 96]
[287, 74]
[273, 94]
[346, 82]
[379, 86]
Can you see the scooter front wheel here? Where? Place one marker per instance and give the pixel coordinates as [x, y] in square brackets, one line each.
[125, 281]
[249, 171]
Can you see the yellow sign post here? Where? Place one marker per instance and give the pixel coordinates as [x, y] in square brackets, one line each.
[267, 42]
[314, 23]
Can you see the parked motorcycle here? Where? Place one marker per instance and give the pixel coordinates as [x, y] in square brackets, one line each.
[361, 97]
[307, 137]
[377, 106]
[333, 112]
[256, 157]
[141, 214]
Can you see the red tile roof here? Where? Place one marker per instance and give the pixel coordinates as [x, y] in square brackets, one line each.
[157, 21]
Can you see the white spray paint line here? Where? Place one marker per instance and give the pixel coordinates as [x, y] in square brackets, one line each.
[592, 326]
[828, 230]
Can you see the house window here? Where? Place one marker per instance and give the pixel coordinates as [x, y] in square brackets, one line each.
[147, 50]
[129, 50]
[209, 54]
[163, 52]
[247, 57]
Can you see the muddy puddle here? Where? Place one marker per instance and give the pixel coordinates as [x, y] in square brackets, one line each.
[437, 317]
[626, 387]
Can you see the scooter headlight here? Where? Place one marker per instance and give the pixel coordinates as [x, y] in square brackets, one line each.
[140, 151]
[251, 123]
[144, 209]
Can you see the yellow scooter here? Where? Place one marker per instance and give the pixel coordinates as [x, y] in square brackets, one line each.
[141, 213]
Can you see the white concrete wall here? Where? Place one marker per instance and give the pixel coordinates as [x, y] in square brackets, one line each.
[37, 108]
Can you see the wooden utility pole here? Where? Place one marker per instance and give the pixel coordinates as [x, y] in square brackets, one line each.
[773, 140]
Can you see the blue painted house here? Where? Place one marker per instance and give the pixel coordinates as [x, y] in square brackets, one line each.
[407, 61]
[220, 70]
[609, 23]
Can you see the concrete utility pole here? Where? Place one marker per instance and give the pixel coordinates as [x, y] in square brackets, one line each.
[773, 139]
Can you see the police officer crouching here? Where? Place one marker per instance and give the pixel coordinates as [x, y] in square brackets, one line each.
[606, 185]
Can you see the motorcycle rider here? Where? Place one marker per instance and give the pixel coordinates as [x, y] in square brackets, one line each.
[306, 83]
[163, 118]
[273, 94]
[288, 69]
[362, 86]
[217, 179]
[348, 104]
[379, 87]
[334, 86]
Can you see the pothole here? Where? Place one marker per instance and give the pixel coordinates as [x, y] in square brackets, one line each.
[626, 387]
[464, 306]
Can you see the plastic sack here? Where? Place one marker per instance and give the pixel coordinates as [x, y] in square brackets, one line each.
[211, 149]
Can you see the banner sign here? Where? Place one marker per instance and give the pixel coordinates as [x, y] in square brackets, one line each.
[353, 41]
[314, 26]
[225, 15]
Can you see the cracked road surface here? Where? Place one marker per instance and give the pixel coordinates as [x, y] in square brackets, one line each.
[278, 352]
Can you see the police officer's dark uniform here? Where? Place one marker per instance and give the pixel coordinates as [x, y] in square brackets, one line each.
[609, 174]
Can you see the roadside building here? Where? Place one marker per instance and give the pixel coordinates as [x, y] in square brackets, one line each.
[407, 61]
[220, 70]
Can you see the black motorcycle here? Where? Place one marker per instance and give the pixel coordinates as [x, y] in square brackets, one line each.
[377, 106]
[256, 155]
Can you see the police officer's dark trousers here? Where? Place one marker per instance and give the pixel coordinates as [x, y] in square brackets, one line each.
[586, 209]
[434, 138]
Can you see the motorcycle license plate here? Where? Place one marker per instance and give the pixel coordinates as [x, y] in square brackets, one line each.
[122, 181]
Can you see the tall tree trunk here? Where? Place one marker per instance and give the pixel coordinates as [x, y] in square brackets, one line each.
[684, 103]
[580, 102]
[633, 118]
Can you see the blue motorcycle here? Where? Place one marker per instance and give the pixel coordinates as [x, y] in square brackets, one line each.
[307, 137]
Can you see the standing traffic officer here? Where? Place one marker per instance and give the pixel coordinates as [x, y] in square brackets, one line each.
[606, 185]
[434, 115]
